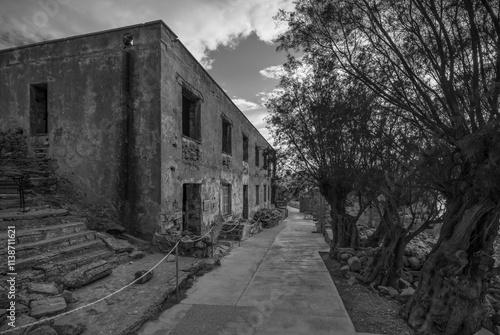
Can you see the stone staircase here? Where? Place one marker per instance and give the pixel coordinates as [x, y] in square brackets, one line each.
[49, 243]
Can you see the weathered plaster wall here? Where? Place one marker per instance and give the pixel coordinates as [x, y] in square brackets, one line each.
[98, 140]
[179, 68]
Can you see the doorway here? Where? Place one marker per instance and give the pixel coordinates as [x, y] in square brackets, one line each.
[245, 202]
[192, 208]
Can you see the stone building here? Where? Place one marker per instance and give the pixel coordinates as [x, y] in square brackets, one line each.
[135, 123]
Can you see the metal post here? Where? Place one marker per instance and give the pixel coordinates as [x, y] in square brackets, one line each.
[177, 271]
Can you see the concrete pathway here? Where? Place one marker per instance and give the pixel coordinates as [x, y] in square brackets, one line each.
[274, 283]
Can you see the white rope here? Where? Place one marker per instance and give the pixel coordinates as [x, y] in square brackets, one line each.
[92, 303]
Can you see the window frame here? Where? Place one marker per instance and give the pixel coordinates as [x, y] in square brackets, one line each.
[257, 191]
[246, 146]
[192, 131]
[227, 137]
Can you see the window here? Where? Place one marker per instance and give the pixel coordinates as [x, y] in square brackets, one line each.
[226, 136]
[226, 199]
[257, 194]
[191, 110]
[38, 109]
[257, 156]
[265, 193]
[245, 148]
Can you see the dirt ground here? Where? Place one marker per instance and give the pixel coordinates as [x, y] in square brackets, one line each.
[369, 312]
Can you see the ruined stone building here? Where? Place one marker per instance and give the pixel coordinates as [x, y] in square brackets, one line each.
[135, 123]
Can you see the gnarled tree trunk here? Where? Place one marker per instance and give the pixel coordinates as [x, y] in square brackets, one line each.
[453, 283]
[377, 236]
[344, 229]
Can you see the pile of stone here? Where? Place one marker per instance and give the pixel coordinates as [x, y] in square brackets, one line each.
[193, 246]
[39, 300]
[353, 262]
[239, 229]
[190, 245]
[269, 217]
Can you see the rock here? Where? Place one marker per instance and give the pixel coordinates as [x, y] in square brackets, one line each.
[187, 243]
[344, 270]
[345, 250]
[407, 277]
[344, 257]
[137, 254]
[69, 297]
[371, 251]
[360, 253]
[144, 279]
[414, 263]
[3, 312]
[43, 330]
[87, 274]
[352, 280]
[170, 258]
[47, 307]
[22, 309]
[211, 262]
[118, 245]
[405, 262]
[383, 289]
[405, 295]
[403, 283]
[198, 253]
[354, 264]
[200, 245]
[363, 260]
[393, 292]
[67, 325]
[43, 288]
[21, 320]
[4, 301]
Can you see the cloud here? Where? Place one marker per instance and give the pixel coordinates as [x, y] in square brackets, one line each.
[245, 105]
[264, 96]
[273, 72]
[202, 26]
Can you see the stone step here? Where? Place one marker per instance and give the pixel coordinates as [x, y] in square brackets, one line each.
[13, 203]
[29, 249]
[42, 222]
[64, 266]
[42, 233]
[32, 215]
[51, 257]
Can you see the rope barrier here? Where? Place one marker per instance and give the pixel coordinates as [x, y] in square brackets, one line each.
[92, 303]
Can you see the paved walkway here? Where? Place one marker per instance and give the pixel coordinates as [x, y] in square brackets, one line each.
[274, 283]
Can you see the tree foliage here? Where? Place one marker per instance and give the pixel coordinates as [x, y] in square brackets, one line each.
[437, 63]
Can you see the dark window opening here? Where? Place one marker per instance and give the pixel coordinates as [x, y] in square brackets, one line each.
[226, 199]
[226, 136]
[257, 194]
[191, 110]
[265, 193]
[192, 208]
[38, 109]
[257, 156]
[245, 148]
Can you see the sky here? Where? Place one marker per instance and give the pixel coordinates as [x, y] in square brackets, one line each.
[232, 39]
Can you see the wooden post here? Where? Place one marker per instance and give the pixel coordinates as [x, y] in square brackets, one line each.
[177, 271]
